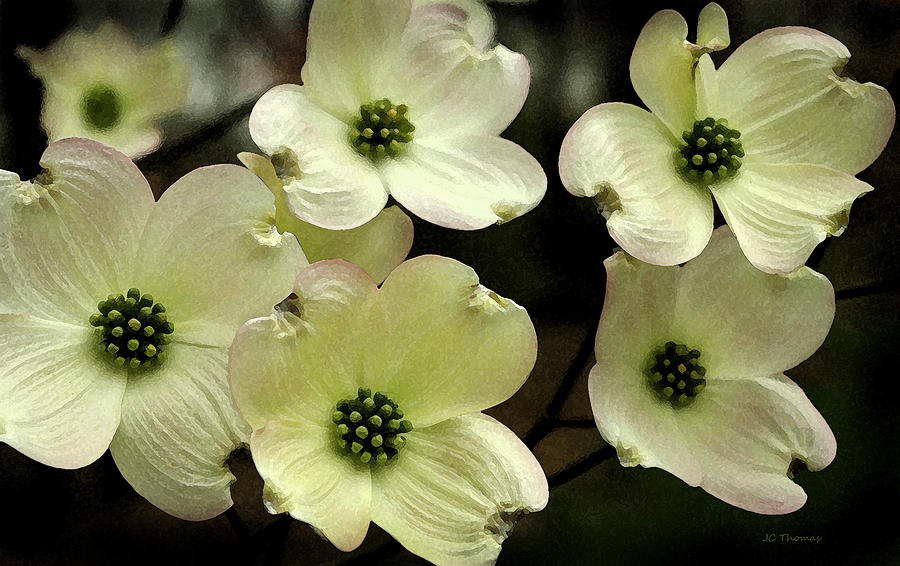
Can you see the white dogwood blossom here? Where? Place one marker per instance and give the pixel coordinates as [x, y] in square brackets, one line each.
[689, 375]
[776, 135]
[365, 406]
[407, 99]
[116, 313]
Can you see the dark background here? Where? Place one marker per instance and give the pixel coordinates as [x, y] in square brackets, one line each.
[550, 261]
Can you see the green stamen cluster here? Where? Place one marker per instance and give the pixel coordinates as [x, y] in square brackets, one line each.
[132, 329]
[677, 376]
[382, 129]
[711, 151]
[371, 426]
[101, 107]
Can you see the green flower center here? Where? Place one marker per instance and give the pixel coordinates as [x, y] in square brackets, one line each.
[676, 374]
[371, 427]
[132, 329]
[382, 129]
[101, 107]
[711, 151]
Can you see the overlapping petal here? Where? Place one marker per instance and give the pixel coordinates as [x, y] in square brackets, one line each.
[212, 255]
[624, 158]
[779, 213]
[70, 238]
[178, 427]
[442, 345]
[59, 400]
[336, 188]
[303, 361]
[747, 432]
[466, 183]
[783, 89]
[458, 489]
[306, 477]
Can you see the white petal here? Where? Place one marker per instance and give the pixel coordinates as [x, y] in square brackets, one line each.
[442, 345]
[745, 322]
[466, 183]
[746, 433]
[306, 477]
[350, 45]
[457, 490]
[779, 213]
[624, 159]
[304, 360]
[70, 239]
[336, 187]
[212, 256]
[783, 90]
[453, 82]
[178, 427]
[662, 70]
[641, 426]
[59, 399]
[479, 20]
[712, 28]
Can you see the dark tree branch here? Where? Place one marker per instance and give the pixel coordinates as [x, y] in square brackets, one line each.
[582, 466]
[885, 286]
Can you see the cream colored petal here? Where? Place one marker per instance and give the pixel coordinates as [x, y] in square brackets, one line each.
[212, 256]
[305, 476]
[662, 71]
[70, 238]
[466, 183]
[784, 90]
[745, 322]
[442, 345]
[457, 489]
[333, 186]
[712, 29]
[178, 427]
[623, 158]
[779, 213]
[303, 360]
[747, 432]
[60, 400]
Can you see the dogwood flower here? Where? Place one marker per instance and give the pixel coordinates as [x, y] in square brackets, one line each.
[101, 85]
[365, 406]
[377, 246]
[776, 135]
[116, 313]
[401, 98]
[689, 373]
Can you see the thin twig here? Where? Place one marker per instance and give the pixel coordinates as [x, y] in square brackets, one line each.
[573, 423]
[582, 466]
[885, 286]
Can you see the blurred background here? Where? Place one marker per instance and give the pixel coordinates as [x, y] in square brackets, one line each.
[225, 53]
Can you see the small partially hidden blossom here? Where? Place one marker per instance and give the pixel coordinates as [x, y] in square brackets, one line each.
[406, 98]
[689, 374]
[116, 313]
[366, 403]
[100, 84]
[776, 135]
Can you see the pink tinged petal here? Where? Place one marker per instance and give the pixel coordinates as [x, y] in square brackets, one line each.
[466, 183]
[457, 489]
[178, 427]
[212, 256]
[59, 400]
[305, 476]
[662, 70]
[70, 239]
[442, 345]
[351, 46]
[745, 322]
[336, 188]
[746, 433]
[779, 213]
[641, 426]
[783, 89]
[623, 158]
[305, 359]
[456, 83]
